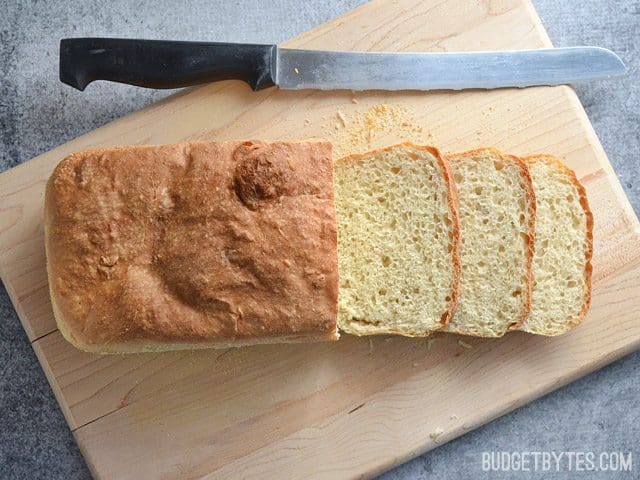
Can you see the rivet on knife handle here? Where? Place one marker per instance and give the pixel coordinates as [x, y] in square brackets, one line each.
[164, 64]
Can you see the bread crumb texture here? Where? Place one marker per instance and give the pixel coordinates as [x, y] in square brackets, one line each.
[495, 204]
[397, 241]
[561, 264]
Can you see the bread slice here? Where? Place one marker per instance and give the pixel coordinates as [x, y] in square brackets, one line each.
[563, 248]
[398, 238]
[497, 217]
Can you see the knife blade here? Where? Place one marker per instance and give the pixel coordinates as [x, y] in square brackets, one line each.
[171, 64]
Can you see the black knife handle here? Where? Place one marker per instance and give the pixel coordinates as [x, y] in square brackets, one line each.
[164, 64]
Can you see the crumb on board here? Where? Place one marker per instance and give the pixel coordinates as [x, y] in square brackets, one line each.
[343, 120]
[370, 346]
[464, 344]
[354, 100]
[295, 69]
[430, 342]
[436, 433]
[415, 364]
[362, 128]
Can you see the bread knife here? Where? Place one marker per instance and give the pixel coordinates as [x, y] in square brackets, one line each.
[173, 64]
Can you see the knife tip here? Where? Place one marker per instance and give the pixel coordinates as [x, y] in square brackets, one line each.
[614, 64]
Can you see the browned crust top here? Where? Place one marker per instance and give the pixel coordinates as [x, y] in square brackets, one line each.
[193, 243]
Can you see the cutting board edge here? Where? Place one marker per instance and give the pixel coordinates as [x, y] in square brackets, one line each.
[80, 139]
[17, 305]
[62, 149]
[539, 26]
[87, 455]
[498, 412]
[53, 383]
[450, 434]
[603, 158]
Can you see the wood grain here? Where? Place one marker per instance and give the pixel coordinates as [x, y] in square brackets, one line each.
[354, 407]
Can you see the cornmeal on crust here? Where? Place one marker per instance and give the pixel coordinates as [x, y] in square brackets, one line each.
[398, 237]
[193, 245]
[497, 226]
[563, 248]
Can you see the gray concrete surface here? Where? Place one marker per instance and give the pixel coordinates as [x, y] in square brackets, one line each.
[600, 412]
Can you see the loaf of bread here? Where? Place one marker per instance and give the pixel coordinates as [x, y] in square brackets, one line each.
[398, 237]
[193, 245]
[223, 244]
[497, 220]
[563, 248]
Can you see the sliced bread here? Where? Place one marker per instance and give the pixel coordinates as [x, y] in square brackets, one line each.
[398, 238]
[497, 217]
[563, 248]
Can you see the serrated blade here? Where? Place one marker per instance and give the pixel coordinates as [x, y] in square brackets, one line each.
[328, 70]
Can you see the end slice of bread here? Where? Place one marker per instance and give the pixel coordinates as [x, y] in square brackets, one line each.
[398, 241]
[497, 220]
[563, 249]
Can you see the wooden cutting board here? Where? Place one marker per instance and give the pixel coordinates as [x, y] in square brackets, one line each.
[358, 406]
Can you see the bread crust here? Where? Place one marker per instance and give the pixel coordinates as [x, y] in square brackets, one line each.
[531, 238]
[584, 203]
[530, 200]
[194, 245]
[452, 195]
[455, 230]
